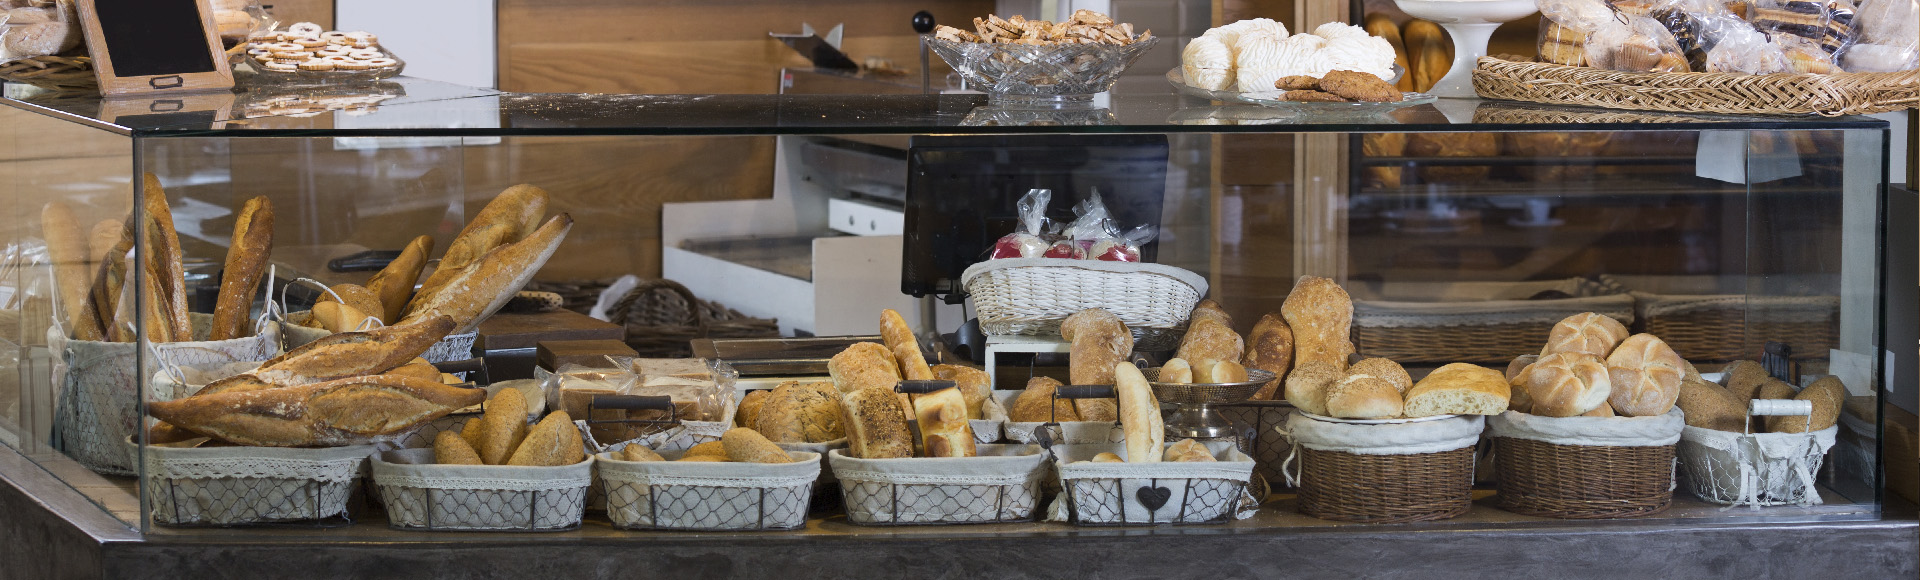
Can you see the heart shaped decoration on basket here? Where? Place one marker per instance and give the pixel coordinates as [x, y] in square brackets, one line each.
[1153, 497]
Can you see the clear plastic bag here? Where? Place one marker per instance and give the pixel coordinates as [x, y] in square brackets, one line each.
[1637, 44]
[31, 28]
[1889, 38]
[1025, 241]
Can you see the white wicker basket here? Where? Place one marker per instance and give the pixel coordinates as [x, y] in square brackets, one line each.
[419, 495]
[1118, 494]
[1031, 296]
[230, 486]
[1002, 484]
[1756, 469]
[708, 496]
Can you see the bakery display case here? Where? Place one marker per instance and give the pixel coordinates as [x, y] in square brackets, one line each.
[1461, 231]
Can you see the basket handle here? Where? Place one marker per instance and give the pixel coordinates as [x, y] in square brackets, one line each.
[1778, 408]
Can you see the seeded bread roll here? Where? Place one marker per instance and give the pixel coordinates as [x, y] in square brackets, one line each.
[450, 449]
[1363, 397]
[801, 413]
[1775, 389]
[1646, 376]
[1710, 406]
[1321, 316]
[1567, 384]
[748, 446]
[1033, 404]
[1585, 333]
[1269, 348]
[974, 384]
[638, 452]
[1459, 389]
[503, 427]
[876, 426]
[1307, 386]
[864, 365]
[1828, 397]
[750, 405]
[551, 443]
[1743, 379]
[715, 448]
[1386, 370]
[944, 431]
[393, 285]
[705, 458]
[1176, 371]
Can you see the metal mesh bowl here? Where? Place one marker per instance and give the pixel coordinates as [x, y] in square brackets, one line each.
[1013, 71]
[1206, 393]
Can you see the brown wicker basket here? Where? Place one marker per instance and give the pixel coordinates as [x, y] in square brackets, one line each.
[1734, 327]
[662, 318]
[64, 73]
[1728, 93]
[1537, 478]
[1404, 332]
[1386, 489]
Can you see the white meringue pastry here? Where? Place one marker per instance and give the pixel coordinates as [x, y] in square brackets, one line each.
[1261, 60]
[1365, 53]
[1337, 30]
[1208, 64]
[1230, 34]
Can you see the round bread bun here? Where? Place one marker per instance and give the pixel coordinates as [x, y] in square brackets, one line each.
[1567, 384]
[1646, 376]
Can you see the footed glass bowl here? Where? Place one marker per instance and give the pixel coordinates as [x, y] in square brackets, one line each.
[1038, 74]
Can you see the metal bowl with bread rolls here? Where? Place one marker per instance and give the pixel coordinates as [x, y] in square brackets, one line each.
[1193, 415]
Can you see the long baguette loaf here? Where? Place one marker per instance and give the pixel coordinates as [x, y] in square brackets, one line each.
[348, 411]
[509, 217]
[394, 283]
[486, 286]
[1139, 414]
[108, 278]
[461, 255]
[161, 262]
[905, 348]
[341, 355]
[944, 431]
[246, 263]
[67, 249]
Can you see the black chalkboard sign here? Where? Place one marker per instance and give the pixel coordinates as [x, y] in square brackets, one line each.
[145, 46]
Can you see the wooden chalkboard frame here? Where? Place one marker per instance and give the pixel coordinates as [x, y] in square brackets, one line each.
[220, 79]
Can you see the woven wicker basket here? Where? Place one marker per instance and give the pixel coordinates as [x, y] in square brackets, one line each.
[1537, 478]
[663, 318]
[65, 73]
[1490, 332]
[1729, 93]
[1734, 327]
[1387, 489]
[1031, 296]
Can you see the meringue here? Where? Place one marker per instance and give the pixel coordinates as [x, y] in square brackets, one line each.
[1365, 53]
[1231, 33]
[1208, 64]
[1262, 59]
[1337, 30]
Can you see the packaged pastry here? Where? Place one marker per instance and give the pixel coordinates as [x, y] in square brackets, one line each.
[1025, 241]
[30, 31]
[1639, 44]
[1889, 37]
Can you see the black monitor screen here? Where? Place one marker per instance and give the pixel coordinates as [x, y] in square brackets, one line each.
[154, 37]
[962, 191]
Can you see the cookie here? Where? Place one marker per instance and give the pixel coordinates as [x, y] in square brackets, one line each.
[305, 29]
[1359, 86]
[382, 63]
[317, 65]
[1297, 83]
[310, 43]
[1311, 97]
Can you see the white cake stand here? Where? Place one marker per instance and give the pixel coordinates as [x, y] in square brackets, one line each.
[1470, 23]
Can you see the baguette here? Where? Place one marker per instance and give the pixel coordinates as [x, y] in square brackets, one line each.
[359, 297]
[974, 384]
[344, 355]
[905, 348]
[246, 262]
[351, 411]
[417, 368]
[944, 431]
[336, 317]
[509, 218]
[461, 255]
[103, 237]
[551, 443]
[108, 281]
[1139, 414]
[1270, 348]
[393, 285]
[67, 250]
[161, 263]
[1321, 316]
[482, 289]
[876, 427]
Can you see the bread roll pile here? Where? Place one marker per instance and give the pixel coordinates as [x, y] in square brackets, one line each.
[874, 417]
[1723, 406]
[737, 445]
[1590, 366]
[501, 436]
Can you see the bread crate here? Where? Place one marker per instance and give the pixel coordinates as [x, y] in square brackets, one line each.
[420, 495]
[1002, 484]
[708, 496]
[236, 486]
[1144, 494]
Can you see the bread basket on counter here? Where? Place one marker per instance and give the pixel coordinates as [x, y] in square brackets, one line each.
[708, 496]
[1830, 95]
[236, 486]
[1145, 494]
[1490, 331]
[1584, 467]
[421, 495]
[1398, 472]
[1734, 326]
[1023, 432]
[1001, 484]
[1756, 469]
[1032, 296]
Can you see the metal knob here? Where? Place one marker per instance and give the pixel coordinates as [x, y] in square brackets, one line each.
[923, 22]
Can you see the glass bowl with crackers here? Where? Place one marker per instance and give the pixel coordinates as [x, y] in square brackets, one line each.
[1015, 60]
[306, 53]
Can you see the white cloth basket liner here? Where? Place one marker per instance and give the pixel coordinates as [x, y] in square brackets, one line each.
[1001, 484]
[1109, 493]
[248, 485]
[1067, 432]
[421, 495]
[1759, 469]
[1415, 438]
[98, 406]
[1590, 431]
[1031, 296]
[708, 495]
[597, 499]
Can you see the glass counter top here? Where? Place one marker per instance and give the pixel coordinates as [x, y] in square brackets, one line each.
[417, 107]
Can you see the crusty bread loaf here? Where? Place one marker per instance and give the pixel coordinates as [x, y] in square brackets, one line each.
[502, 427]
[876, 427]
[1646, 376]
[905, 348]
[1037, 405]
[337, 317]
[864, 365]
[1459, 389]
[161, 262]
[1270, 348]
[1743, 379]
[1187, 450]
[974, 384]
[551, 443]
[1516, 368]
[1828, 397]
[393, 284]
[1221, 371]
[638, 452]
[482, 288]
[343, 412]
[1585, 333]
[72, 270]
[1710, 406]
[801, 413]
[1139, 414]
[1321, 316]
[1517, 397]
[1100, 340]
[162, 432]
[510, 217]
[1307, 385]
[348, 354]
[450, 449]
[748, 446]
[714, 448]
[1101, 409]
[1363, 397]
[750, 404]
[247, 254]
[1773, 388]
[1209, 310]
[1386, 370]
[417, 368]
[944, 430]
[1208, 339]
[1567, 384]
[1176, 371]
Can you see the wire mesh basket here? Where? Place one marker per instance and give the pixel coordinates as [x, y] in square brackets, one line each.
[420, 495]
[239, 486]
[1756, 469]
[708, 496]
[1257, 422]
[1001, 484]
[1145, 494]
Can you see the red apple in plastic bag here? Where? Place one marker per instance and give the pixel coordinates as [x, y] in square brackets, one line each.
[1065, 249]
[1019, 246]
[1115, 251]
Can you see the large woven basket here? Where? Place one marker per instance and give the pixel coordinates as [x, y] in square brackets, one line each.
[1031, 296]
[1487, 332]
[1537, 478]
[1735, 326]
[663, 317]
[65, 73]
[1351, 487]
[1728, 93]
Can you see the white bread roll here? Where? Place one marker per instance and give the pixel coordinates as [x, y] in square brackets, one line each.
[1519, 365]
[1567, 384]
[1139, 414]
[944, 431]
[1363, 397]
[1459, 389]
[1188, 450]
[1646, 376]
[1306, 386]
[1386, 370]
[1585, 333]
[1176, 371]
[1222, 371]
